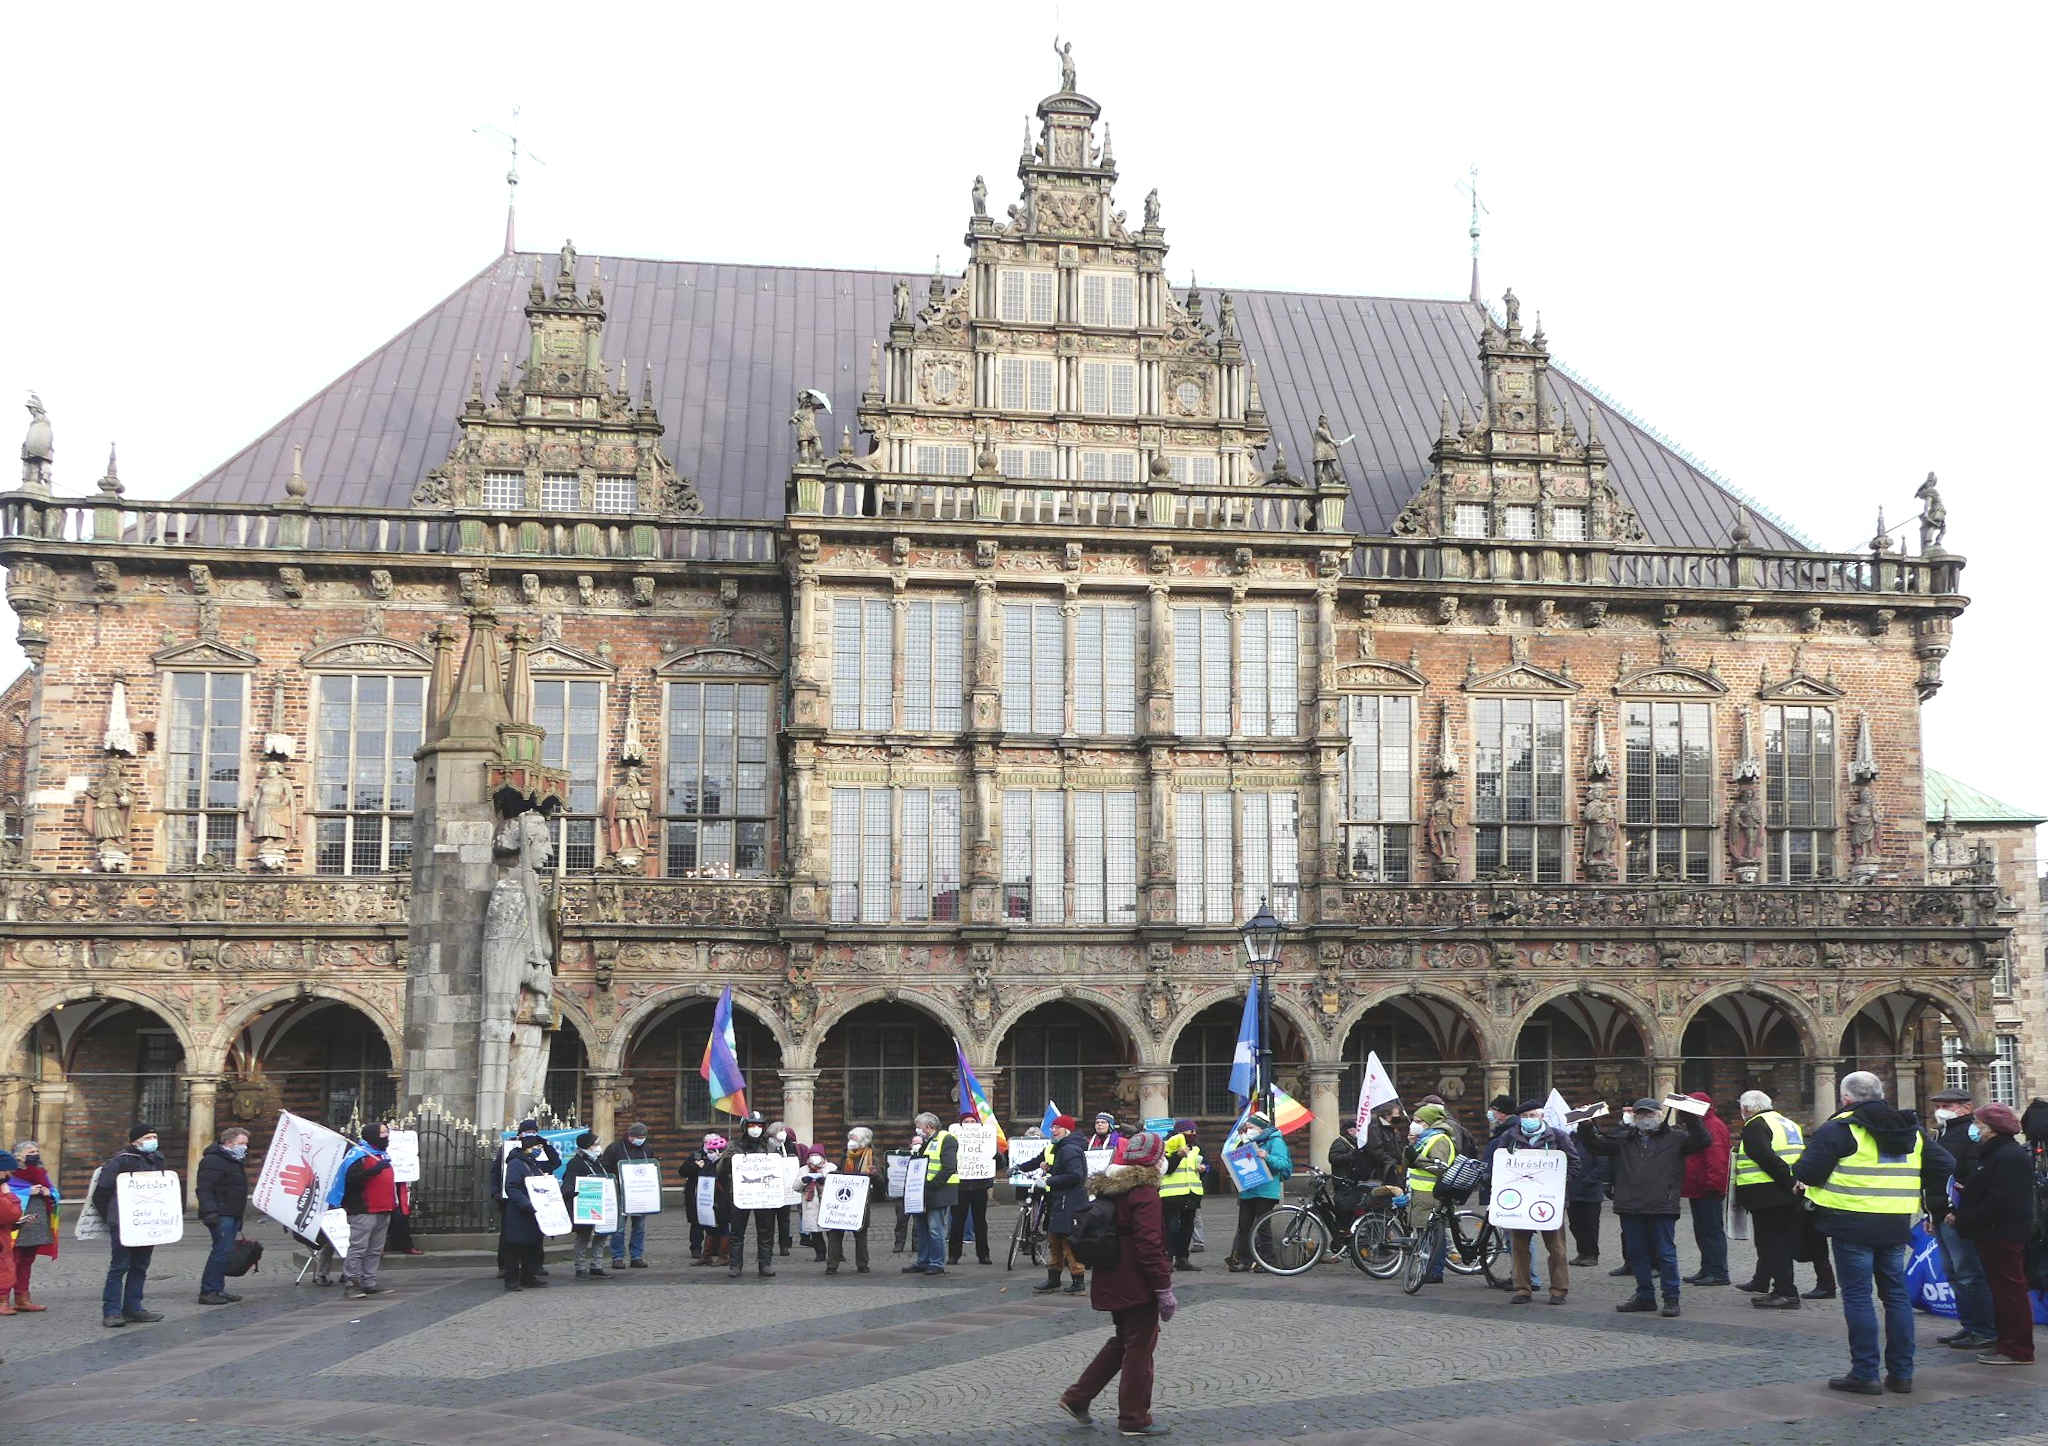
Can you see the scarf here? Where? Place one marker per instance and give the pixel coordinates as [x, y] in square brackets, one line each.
[33, 1175]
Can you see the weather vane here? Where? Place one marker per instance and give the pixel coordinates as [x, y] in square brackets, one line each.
[511, 139]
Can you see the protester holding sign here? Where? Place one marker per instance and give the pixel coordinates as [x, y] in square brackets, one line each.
[1532, 1136]
[1255, 1202]
[589, 1250]
[742, 1197]
[938, 1153]
[221, 1188]
[128, 1266]
[699, 1165]
[1649, 1171]
[860, 1159]
[977, 1145]
[626, 1159]
[519, 1233]
[1066, 1181]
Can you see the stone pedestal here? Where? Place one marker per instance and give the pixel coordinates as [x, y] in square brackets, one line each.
[452, 874]
[1155, 1094]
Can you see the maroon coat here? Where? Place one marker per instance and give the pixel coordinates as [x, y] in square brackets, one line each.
[1706, 1173]
[1142, 1269]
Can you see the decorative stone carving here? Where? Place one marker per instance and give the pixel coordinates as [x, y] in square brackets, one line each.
[1746, 831]
[808, 402]
[518, 958]
[1860, 822]
[980, 999]
[291, 585]
[110, 813]
[273, 814]
[380, 583]
[625, 817]
[1441, 833]
[643, 592]
[106, 577]
[1602, 838]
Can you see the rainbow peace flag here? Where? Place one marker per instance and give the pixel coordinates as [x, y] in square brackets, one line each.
[974, 1097]
[721, 1067]
[1289, 1114]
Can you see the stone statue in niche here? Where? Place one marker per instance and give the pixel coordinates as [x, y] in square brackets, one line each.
[273, 814]
[1441, 833]
[1746, 832]
[109, 813]
[518, 961]
[1861, 823]
[1602, 838]
[625, 821]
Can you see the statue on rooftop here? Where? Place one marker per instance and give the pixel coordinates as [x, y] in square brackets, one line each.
[980, 197]
[1066, 55]
[1933, 516]
[1324, 453]
[1513, 304]
[1152, 209]
[805, 419]
[1226, 315]
[902, 298]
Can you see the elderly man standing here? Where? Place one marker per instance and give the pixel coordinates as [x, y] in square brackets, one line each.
[1770, 1145]
[1975, 1320]
[1649, 1171]
[1866, 1170]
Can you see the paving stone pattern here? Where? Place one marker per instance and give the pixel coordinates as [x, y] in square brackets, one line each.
[674, 1354]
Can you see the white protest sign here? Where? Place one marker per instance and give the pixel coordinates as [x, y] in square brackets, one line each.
[792, 1192]
[913, 1188]
[977, 1151]
[845, 1203]
[1528, 1189]
[1025, 1154]
[549, 1213]
[707, 1200]
[334, 1225]
[148, 1210]
[640, 1183]
[757, 1182]
[899, 1166]
[596, 1204]
[1375, 1090]
[1099, 1160]
[1594, 1111]
[298, 1168]
[807, 1217]
[1685, 1103]
[404, 1154]
[1556, 1113]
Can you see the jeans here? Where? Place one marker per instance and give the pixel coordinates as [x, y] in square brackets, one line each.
[213, 1278]
[1651, 1244]
[127, 1272]
[1974, 1310]
[1856, 1266]
[1129, 1351]
[636, 1227]
[929, 1236]
[1710, 1233]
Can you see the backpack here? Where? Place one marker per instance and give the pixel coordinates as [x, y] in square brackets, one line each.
[1093, 1239]
[244, 1256]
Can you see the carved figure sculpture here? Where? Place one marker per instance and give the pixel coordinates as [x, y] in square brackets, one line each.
[980, 197]
[1226, 315]
[1514, 309]
[273, 810]
[1066, 55]
[625, 816]
[1933, 516]
[805, 417]
[1324, 453]
[110, 806]
[1602, 838]
[1746, 830]
[901, 293]
[1442, 834]
[1861, 819]
[518, 958]
[1152, 209]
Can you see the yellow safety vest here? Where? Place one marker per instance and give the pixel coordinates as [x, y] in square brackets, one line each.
[1787, 1139]
[1185, 1177]
[1421, 1178]
[1869, 1183]
[935, 1159]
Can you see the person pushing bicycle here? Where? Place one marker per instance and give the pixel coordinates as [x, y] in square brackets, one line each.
[1431, 1150]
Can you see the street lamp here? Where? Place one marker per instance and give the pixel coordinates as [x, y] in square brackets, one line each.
[1261, 934]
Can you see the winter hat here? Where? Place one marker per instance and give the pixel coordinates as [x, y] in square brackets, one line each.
[1431, 1114]
[585, 1140]
[1143, 1148]
[1065, 1122]
[969, 1117]
[639, 1128]
[8, 1164]
[137, 1130]
[1647, 1104]
[1527, 1105]
[1184, 1127]
[1999, 1118]
[377, 1135]
[1949, 1097]
[529, 1127]
[1505, 1104]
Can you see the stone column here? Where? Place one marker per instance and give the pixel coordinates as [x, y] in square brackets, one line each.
[1155, 1093]
[200, 1093]
[47, 1126]
[1663, 1077]
[799, 1102]
[604, 1106]
[1824, 1096]
[1237, 662]
[1070, 627]
[1327, 1109]
[1499, 1076]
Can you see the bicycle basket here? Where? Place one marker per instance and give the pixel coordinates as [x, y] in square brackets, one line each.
[1349, 1197]
[1461, 1179]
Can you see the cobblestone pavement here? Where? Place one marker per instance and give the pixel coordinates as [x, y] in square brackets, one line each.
[673, 1355]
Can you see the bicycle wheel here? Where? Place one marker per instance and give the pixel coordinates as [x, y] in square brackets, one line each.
[1290, 1240]
[1019, 1235]
[1375, 1247]
[1465, 1256]
[1494, 1259]
[1415, 1263]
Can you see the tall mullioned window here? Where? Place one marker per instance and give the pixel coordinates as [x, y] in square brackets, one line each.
[572, 713]
[1669, 790]
[861, 649]
[1272, 855]
[1034, 668]
[931, 666]
[1799, 793]
[1204, 861]
[1201, 672]
[715, 796]
[931, 855]
[1379, 790]
[203, 767]
[368, 727]
[1034, 855]
[1518, 788]
[1269, 673]
[1105, 858]
[1106, 668]
[860, 856]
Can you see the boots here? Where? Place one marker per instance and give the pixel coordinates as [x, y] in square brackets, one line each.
[1185, 1264]
[1052, 1282]
[1077, 1285]
[23, 1303]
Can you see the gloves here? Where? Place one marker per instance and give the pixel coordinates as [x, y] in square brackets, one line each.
[1167, 1304]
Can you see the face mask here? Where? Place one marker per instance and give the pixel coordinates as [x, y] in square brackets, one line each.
[1976, 1132]
[753, 1132]
[33, 1160]
[1644, 1122]
[147, 1145]
[1532, 1127]
[1944, 1116]
[237, 1151]
[1415, 1130]
[590, 1150]
[636, 1141]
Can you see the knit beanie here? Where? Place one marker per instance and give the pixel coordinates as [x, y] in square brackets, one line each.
[1143, 1148]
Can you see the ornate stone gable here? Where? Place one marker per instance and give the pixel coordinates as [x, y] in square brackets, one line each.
[204, 653]
[368, 652]
[1669, 681]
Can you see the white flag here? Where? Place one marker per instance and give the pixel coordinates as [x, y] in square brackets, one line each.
[1555, 1110]
[1375, 1090]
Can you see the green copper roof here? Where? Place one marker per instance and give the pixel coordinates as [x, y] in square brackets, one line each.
[1969, 805]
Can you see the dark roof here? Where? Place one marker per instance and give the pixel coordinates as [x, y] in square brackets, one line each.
[1952, 796]
[731, 344]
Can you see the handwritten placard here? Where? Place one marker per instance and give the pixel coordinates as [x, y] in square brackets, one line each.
[148, 1208]
[404, 1153]
[549, 1213]
[913, 1188]
[640, 1184]
[844, 1202]
[707, 1200]
[792, 1192]
[899, 1166]
[596, 1204]
[1026, 1154]
[334, 1225]
[1099, 1160]
[1685, 1103]
[758, 1182]
[977, 1151]
[1528, 1189]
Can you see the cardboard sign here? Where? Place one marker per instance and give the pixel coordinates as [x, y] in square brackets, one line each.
[404, 1154]
[596, 1204]
[1685, 1103]
[792, 1192]
[1027, 1154]
[334, 1225]
[640, 1185]
[913, 1188]
[899, 1167]
[148, 1209]
[1247, 1167]
[1587, 1112]
[1099, 1160]
[549, 1213]
[758, 1182]
[1528, 1189]
[844, 1203]
[707, 1200]
[977, 1151]
[1160, 1125]
[298, 1168]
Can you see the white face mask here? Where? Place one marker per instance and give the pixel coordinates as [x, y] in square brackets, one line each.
[1944, 1116]
[1415, 1129]
[753, 1132]
[147, 1144]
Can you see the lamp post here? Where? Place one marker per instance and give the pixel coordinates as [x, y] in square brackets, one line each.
[1261, 935]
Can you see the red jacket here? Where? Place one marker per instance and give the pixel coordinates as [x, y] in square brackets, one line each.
[1142, 1269]
[1706, 1173]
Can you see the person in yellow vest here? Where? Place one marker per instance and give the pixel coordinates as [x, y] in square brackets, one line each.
[1868, 1172]
[1765, 1152]
[939, 1151]
[1180, 1191]
[1432, 1149]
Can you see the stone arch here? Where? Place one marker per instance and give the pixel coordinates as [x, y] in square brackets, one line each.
[611, 1057]
[1960, 1012]
[1387, 994]
[198, 1059]
[1804, 1020]
[233, 1024]
[1315, 1049]
[1638, 1011]
[1600, 1065]
[1111, 1010]
[805, 1055]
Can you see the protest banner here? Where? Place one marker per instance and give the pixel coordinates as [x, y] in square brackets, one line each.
[899, 1166]
[334, 1225]
[707, 1201]
[845, 1202]
[148, 1208]
[640, 1186]
[1099, 1160]
[404, 1154]
[792, 1192]
[1160, 1125]
[977, 1151]
[1026, 1154]
[1376, 1089]
[564, 1142]
[1685, 1103]
[549, 1213]
[1596, 1111]
[1247, 1167]
[596, 1204]
[913, 1188]
[1528, 1189]
[298, 1168]
[757, 1181]
[1556, 1113]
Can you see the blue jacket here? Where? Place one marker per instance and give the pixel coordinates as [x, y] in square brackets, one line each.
[1273, 1147]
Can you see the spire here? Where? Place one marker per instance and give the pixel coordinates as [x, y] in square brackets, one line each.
[441, 682]
[295, 485]
[1593, 442]
[1025, 154]
[111, 483]
[519, 677]
[1739, 534]
[505, 376]
[476, 708]
[476, 378]
[1108, 150]
[1447, 432]
[647, 386]
[1471, 187]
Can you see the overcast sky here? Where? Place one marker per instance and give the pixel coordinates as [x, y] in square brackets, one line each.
[1797, 239]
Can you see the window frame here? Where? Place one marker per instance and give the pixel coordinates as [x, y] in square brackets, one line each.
[863, 684]
[934, 677]
[1034, 865]
[752, 732]
[1106, 688]
[929, 855]
[1268, 672]
[391, 822]
[1498, 835]
[515, 502]
[575, 829]
[1204, 864]
[1269, 853]
[881, 1105]
[210, 824]
[1052, 1079]
[1106, 857]
[1386, 833]
[1035, 285]
[1200, 697]
[1035, 664]
[1783, 837]
[1648, 840]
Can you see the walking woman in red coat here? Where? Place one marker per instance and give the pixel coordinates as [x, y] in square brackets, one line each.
[1137, 1291]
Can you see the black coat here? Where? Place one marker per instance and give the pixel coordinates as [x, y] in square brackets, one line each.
[221, 1186]
[1649, 1165]
[740, 1146]
[1066, 1181]
[1998, 1201]
[519, 1227]
[1384, 1159]
[1776, 1192]
[126, 1159]
[695, 1166]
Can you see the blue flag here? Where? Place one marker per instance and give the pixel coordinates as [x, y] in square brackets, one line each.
[1052, 1112]
[1244, 1061]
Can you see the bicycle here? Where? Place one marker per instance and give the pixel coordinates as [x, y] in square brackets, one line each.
[1291, 1239]
[1443, 1230]
[1028, 1234]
